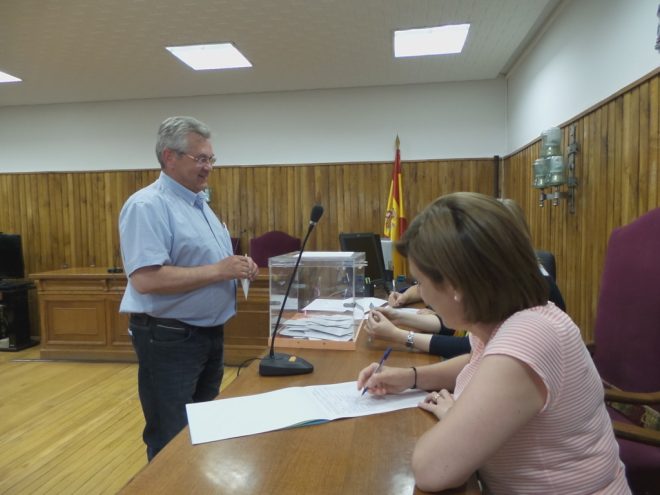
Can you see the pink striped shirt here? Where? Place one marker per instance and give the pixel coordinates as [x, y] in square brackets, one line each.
[569, 446]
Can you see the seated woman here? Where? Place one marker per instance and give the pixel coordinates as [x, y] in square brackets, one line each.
[525, 409]
[427, 331]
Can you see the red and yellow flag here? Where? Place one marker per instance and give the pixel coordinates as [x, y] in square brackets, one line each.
[395, 217]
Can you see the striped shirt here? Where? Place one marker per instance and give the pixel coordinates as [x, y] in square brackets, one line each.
[569, 446]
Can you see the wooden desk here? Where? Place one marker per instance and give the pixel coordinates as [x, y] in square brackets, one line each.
[80, 319]
[365, 455]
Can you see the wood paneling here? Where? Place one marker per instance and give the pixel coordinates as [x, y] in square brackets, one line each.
[617, 169]
[70, 219]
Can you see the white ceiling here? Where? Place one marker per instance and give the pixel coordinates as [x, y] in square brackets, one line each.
[93, 50]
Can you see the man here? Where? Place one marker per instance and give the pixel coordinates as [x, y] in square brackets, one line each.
[181, 281]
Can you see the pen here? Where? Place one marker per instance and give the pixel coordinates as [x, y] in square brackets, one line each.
[380, 365]
[370, 339]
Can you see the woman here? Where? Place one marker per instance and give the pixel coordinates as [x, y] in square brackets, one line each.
[527, 407]
[426, 330]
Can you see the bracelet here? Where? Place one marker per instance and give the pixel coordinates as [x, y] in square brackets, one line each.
[415, 382]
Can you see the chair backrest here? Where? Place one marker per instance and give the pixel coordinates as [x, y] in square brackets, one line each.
[627, 332]
[271, 244]
[547, 259]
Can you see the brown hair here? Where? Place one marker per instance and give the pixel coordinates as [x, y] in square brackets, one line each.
[518, 214]
[476, 244]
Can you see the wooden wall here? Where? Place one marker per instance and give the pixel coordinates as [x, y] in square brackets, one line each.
[70, 219]
[618, 169]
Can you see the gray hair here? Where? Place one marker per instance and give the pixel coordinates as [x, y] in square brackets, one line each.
[173, 134]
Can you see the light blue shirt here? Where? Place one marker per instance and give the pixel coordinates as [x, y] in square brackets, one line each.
[167, 224]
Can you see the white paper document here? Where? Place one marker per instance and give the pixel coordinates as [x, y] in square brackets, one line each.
[288, 407]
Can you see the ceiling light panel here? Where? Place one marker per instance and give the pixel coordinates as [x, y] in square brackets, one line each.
[5, 78]
[210, 57]
[440, 40]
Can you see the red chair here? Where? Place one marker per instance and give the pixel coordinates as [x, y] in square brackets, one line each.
[271, 244]
[627, 344]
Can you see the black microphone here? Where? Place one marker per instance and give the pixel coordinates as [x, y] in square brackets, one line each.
[280, 364]
[315, 216]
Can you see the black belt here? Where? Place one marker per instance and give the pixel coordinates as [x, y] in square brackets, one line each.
[145, 319]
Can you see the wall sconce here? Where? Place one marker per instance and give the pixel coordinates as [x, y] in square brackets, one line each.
[551, 171]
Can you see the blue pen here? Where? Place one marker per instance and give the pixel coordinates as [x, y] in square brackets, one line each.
[380, 365]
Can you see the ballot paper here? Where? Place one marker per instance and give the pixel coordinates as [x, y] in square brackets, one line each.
[289, 407]
[344, 305]
[245, 283]
[322, 327]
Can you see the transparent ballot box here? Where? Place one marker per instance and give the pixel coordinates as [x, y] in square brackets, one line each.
[321, 310]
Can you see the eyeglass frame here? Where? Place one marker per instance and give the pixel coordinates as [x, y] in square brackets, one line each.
[201, 160]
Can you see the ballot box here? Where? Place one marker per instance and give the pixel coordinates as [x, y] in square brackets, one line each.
[324, 303]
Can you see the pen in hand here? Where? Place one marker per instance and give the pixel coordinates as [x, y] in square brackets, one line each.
[380, 365]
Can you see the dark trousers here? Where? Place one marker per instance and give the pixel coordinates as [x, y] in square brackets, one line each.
[178, 364]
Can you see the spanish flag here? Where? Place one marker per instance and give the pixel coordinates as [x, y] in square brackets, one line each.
[395, 217]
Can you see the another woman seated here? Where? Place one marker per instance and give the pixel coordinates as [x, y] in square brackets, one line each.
[525, 409]
[426, 330]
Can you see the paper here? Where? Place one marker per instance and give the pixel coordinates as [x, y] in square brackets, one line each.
[324, 327]
[332, 305]
[366, 303]
[343, 305]
[245, 283]
[288, 407]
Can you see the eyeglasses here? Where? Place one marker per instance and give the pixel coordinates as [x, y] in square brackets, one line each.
[202, 160]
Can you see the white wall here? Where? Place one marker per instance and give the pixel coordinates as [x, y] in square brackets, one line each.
[452, 120]
[591, 50]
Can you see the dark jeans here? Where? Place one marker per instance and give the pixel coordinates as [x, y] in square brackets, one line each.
[178, 364]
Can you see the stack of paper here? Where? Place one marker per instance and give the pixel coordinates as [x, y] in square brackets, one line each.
[323, 327]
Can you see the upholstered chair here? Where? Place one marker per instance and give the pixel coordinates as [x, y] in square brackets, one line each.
[627, 345]
[271, 244]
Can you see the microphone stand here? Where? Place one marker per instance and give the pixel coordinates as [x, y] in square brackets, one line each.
[278, 363]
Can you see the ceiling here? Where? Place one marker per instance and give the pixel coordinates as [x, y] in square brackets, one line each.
[93, 50]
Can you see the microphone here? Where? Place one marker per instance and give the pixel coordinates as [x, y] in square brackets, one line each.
[277, 363]
[315, 216]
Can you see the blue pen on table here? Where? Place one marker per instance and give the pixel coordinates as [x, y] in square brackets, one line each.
[380, 365]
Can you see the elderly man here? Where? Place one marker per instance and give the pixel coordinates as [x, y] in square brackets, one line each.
[181, 281]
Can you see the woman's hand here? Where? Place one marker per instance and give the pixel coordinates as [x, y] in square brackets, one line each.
[386, 381]
[409, 296]
[379, 326]
[396, 299]
[419, 322]
[438, 403]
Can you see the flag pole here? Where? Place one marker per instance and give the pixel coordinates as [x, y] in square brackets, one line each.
[395, 218]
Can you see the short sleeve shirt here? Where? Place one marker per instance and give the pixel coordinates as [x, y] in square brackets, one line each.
[568, 447]
[167, 224]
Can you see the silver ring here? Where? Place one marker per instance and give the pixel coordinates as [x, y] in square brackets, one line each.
[436, 396]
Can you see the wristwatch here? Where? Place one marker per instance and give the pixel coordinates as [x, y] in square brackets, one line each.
[410, 340]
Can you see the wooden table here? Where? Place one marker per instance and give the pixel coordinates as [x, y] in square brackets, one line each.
[80, 319]
[365, 455]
